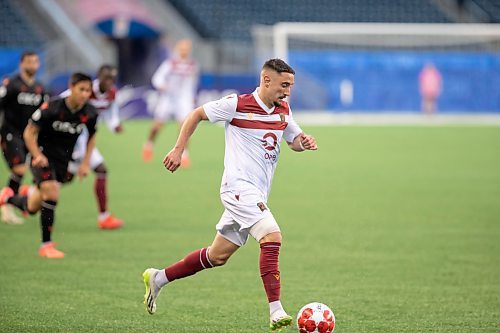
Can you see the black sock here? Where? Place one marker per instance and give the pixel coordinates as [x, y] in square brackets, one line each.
[15, 182]
[19, 201]
[47, 219]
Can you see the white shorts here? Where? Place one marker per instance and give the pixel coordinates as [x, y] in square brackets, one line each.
[242, 212]
[170, 107]
[79, 153]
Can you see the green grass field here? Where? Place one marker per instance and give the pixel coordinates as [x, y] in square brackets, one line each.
[396, 228]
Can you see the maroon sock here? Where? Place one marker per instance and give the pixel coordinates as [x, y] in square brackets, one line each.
[100, 192]
[269, 269]
[191, 264]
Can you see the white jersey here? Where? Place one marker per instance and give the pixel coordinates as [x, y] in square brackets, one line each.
[177, 77]
[253, 140]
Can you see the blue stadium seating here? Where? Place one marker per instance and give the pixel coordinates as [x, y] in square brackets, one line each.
[238, 16]
[15, 30]
[491, 7]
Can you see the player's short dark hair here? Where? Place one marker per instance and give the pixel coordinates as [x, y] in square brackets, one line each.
[79, 77]
[106, 67]
[27, 54]
[278, 65]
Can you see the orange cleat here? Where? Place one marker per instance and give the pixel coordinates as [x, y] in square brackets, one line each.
[185, 162]
[5, 194]
[49, 251]
[110, 222]
[147, 152]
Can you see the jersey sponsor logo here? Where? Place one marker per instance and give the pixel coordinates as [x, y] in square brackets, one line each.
[269, 141]
[67, 127]
[25, 98]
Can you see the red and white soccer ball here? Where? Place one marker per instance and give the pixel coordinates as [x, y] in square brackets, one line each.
[315, 317]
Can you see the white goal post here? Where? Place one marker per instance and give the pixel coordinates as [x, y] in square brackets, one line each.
[382, 34]
[375, 67]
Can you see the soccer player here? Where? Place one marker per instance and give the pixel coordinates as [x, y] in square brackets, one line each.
[103, 99]
[255, 124]
[50, 137]
[20, 96]
[176, 81]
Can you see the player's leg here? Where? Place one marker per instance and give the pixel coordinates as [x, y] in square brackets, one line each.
[105, 220]
[161, 114]
[267, 233]
[49, 195]
[215, 255]
[14, 152]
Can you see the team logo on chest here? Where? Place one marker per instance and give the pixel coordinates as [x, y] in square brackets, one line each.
[270, 140]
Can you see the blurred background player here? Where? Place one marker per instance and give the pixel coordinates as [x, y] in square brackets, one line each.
[103, 99]
[50, 137]
[20, 96]
[255, 125]
[430, 88]
[176, 81]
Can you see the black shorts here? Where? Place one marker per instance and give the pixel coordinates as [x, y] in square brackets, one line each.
[54, 171]
[13, 148]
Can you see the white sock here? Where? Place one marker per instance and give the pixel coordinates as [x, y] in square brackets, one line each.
[161, 278]
[103, 216]
[275, 306]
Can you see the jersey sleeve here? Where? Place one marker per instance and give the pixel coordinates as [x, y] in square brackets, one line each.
[42, 116]
[292, 129]
[159, 77]
[223, 109]
[4, 94]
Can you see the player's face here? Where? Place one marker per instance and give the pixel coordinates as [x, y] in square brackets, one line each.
[280, 86]
[184, 48]
[80, 93]
[107, 80]
[30, 64]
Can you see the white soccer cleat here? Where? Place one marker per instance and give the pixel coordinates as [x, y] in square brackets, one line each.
[279, 320]
[9, 216]
[152, 290]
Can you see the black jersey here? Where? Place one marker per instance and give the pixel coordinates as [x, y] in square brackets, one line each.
[60, 128]
[18, 101]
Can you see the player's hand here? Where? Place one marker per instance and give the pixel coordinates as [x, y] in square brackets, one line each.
[119, 128]
[308, 142]
[173, 159]
[83, 171]
[40, 161]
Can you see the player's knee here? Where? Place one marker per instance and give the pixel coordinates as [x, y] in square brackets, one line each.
[274, 237]
[50, 190]
[218, 259]
[266, 230]
[101, 169]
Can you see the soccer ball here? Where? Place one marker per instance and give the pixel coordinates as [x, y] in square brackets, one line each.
[315, 317]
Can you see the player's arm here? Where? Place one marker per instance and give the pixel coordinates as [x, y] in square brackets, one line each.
[303, 142]
[4, 94]
[173, 159]
[30, 136]
[112, 118]
[158, 80]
